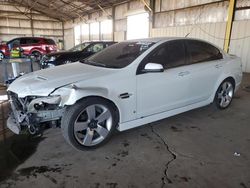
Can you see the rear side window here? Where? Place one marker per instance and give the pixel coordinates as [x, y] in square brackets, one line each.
[29, 41]
[49, 41]
[23, 41]
[171, 54]
[199, 51]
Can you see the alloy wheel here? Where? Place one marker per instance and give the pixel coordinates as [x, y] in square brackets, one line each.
[92, 125]
[225, 94]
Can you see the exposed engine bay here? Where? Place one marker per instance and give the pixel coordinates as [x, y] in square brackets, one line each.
[31, 112]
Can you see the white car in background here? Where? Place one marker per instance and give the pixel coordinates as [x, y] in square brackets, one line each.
[124, 86]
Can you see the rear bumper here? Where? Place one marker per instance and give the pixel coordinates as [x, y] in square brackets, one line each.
[238, 79]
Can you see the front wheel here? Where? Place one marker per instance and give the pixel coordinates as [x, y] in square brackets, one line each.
[224, 94]
[1, 55]
[89, 123]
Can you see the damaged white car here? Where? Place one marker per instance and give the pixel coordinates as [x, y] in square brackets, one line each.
[124, 86]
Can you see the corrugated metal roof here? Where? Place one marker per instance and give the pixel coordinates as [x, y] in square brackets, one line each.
[65, 9]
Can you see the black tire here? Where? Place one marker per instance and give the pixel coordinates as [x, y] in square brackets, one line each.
[224, 94]
[37, 56]
[1, 55]
[75, 112]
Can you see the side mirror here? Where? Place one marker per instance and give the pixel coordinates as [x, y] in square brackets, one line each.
[153, 67]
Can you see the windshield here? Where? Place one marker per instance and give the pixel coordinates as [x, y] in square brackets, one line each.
[79, 47]
[118, 55]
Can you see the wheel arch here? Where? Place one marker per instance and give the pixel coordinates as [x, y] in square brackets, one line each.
[35, 50]
[229, 77]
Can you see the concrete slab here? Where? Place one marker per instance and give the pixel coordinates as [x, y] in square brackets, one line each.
[193, 149]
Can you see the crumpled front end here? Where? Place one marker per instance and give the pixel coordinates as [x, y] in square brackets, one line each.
[32, 112]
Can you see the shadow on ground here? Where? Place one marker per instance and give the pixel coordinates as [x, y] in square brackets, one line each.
[14, 151]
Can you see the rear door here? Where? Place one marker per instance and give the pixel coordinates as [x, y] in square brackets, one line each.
[28, 44]
[205, 64]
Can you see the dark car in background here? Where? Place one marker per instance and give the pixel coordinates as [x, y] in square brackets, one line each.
[36, 46]
[76, 53]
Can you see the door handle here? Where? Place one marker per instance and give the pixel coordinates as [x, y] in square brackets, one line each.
[218, 66]
[183, 73]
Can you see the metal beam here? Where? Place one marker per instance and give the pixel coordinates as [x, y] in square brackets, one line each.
[25, 19]
[230, 18]
[113, 23]
[31, 24]
[147, 5]
[35, 28]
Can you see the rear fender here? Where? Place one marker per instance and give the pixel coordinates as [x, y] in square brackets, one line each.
[36, 50]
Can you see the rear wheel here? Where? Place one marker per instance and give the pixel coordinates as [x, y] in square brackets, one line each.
[224, 94]
[37, 56]
[89, 123]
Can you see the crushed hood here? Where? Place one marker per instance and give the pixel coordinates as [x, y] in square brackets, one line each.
[43, 82]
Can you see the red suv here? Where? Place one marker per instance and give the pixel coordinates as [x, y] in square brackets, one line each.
[4, 51]
[36, 46]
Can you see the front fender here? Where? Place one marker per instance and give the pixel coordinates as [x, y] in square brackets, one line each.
[71, 94]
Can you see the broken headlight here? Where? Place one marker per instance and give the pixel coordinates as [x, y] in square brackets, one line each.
[44, 103]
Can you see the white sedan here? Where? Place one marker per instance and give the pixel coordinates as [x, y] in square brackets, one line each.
[124, 86]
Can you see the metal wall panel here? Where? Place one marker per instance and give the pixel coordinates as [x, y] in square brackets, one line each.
[106, 36]
[15, 24]
[69, 38]
[240, 42]
[134, 5]
[121, 25]
[14, 31]
[203, 14]
[119, 36]
[212, 32]
[215, 33]
[120, 11]
[167, 5]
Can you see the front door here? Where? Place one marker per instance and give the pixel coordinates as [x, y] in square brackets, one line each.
[163, 91]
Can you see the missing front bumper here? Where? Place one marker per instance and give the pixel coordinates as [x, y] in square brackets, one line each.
[13, 126]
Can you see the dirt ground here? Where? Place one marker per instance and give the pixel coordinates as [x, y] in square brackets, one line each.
[205, 147]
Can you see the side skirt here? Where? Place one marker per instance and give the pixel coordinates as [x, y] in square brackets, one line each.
[149, 119]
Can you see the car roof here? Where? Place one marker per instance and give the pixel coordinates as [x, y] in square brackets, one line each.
[39, 38]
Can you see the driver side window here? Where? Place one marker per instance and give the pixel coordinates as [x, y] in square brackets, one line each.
[171, 54]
